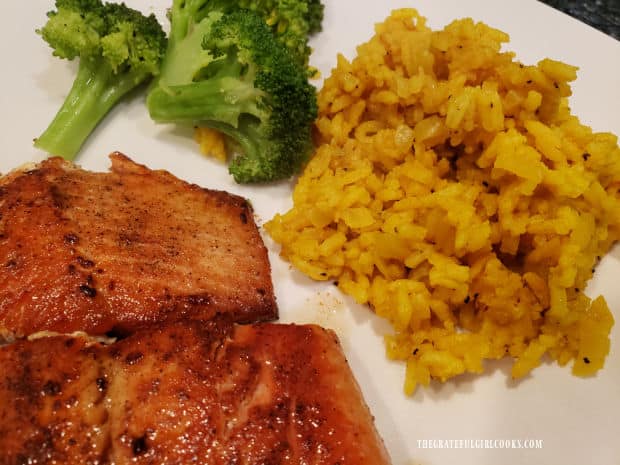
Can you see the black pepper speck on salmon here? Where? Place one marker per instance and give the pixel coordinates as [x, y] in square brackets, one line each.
[162, 250]
[212, 392]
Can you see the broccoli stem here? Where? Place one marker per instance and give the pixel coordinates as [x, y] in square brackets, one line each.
[95, 90]
[223, 103]
[222, 99]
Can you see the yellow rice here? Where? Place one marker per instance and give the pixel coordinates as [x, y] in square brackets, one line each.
[211, 142]
[454, 193]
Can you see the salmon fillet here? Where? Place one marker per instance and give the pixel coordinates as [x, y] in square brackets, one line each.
[186, 392]
[101, 252]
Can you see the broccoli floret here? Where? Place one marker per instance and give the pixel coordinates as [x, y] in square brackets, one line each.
[228, 72]
[314, 16]
[118, 48]
[292, 21]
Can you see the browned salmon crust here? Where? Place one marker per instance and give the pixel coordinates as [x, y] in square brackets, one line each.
[186, 392]
[52, 407]
[100, 252]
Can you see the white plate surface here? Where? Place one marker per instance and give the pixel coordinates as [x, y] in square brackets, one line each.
[576, 419]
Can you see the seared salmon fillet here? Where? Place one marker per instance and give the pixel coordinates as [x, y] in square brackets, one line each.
[100, 252]
[188, 392]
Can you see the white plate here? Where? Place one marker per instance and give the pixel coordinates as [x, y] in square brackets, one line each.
[576, 419]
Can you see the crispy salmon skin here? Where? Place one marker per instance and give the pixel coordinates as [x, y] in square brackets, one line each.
[100, 252]
[187, 392]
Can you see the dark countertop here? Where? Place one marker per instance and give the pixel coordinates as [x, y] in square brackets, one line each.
[603, 15]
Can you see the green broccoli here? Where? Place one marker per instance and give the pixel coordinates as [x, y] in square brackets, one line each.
[228, 72]
[119, 48]
[314, 16]
[292, 22]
